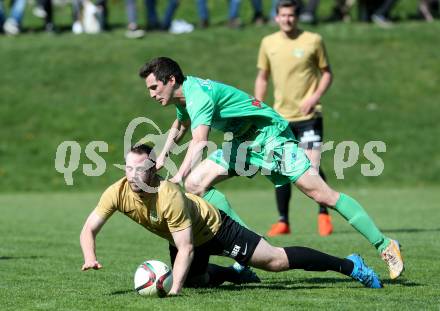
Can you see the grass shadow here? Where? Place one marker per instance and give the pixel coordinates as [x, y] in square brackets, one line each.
[19, 257]
[389, 282]
[411, 230]
[402, 282]
[318, 280]
[286, 284]
[401, 230]
[283, 284]
[278, 286]
[121, 292]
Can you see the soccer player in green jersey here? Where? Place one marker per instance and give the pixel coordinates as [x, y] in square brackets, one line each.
[261, 141]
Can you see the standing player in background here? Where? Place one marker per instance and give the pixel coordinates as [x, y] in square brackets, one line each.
[301, 74]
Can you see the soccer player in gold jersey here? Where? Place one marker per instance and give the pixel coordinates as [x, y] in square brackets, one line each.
[298, 63]
[195, 230]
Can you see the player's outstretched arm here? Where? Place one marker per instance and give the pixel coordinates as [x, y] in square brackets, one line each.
[176, 133]
[185, 254]
[87, 239]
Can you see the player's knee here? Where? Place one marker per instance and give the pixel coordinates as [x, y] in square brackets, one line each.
[278, 262]
[315, 195]
[325, 197]
[275, 265]
[192, 186]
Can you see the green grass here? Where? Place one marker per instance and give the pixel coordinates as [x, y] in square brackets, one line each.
[85, 88]
[40, 257]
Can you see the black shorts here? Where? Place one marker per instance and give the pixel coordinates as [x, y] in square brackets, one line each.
[309, 132]
[232, 240]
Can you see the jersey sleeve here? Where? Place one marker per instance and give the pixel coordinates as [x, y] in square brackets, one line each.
[173, 204]
[321, 54]
[200, 108]
[181, 113]
[263, 60]
[107, 204]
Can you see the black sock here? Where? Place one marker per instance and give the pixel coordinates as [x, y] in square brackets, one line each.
[312, 260]
[218, 275]
[322, 208]
[282, 195]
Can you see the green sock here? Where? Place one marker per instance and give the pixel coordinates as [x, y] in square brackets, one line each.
[352, 211]
[219, 201]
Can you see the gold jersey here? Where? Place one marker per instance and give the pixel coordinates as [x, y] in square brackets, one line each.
[169, 210]
[295, 65]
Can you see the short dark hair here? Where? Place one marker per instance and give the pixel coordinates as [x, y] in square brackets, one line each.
[288, 4]
[141, 149]
[162, 68]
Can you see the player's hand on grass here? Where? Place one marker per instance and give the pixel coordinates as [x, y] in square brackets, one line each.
[309, 104]
[93, 264]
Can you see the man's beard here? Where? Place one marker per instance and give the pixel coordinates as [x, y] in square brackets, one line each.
[143, 186]
[135, 188]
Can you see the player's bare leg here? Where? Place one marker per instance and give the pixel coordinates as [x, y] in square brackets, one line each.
[205, 175]
[270, 258]
[312, 185]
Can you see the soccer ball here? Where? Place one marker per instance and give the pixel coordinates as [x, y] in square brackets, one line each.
[153, 278]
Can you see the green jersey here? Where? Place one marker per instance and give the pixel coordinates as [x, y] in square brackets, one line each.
[227, 109]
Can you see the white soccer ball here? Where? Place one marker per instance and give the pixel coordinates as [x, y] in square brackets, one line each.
[153, 278]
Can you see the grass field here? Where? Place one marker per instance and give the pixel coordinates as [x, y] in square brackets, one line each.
[40, 258]
[85, 88]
